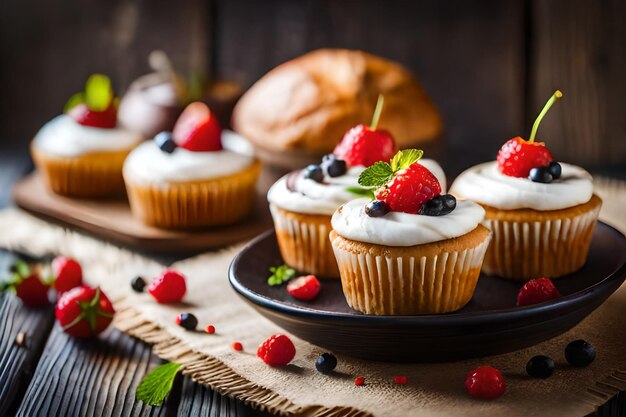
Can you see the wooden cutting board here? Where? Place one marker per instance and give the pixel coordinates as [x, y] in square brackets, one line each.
[112, 220]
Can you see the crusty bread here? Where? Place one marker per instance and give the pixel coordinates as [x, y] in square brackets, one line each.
[307, 104]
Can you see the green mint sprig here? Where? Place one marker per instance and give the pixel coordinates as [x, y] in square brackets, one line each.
[280, 274]
[155, 386]
[380, 173]
[20, 271]
[363, 192]
[98, 94]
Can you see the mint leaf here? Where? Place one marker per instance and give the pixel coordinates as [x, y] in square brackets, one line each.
[21, 268]
[404, 159]
[74, 101]
[98, 92]
[155, 386]
[280, 274]
[376, 175]
[365, 192]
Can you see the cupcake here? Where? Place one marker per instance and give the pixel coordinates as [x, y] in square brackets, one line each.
[193, 177]
[81, 153]
[411, 250]
[542, 213]
[302, 202]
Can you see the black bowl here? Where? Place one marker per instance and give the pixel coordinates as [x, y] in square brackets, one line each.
[490, 324]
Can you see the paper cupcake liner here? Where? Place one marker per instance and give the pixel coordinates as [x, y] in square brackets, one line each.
[213, 202]
[93, 175]
[550, 247]
[398, 281]
[303, 241]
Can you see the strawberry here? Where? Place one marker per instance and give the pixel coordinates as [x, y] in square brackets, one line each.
[169, 287]
[364, 146]
[278, 350]
[517, 157]
[84, 311]
[304, 288]
[83, 115]
[32, 291]
[485, 382]
[536, 291]
[96, 106]
[197, 129]
[67, 274]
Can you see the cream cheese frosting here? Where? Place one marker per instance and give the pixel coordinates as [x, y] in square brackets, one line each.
[311, 197]
[148, 163]
[62, 136]
[404, 229]
[484, 184]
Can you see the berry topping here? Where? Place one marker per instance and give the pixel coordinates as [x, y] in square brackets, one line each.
[364, 145]
[540, 174]
[555, 170]
[209, 329]
[96, 106]
[580, 353]
[400, 380]
[313, 172]
[540, 367]
[165, 142]
[326, 363]
[67, 273]
[439, 206]
[84, 311]
[376, 208]
[169, 287]
[197, 129]
[536, 291]
[333, 166]
[187, 321]
[138, 284]
[304, 288]
[27, 284]
[278, 350]
[237, 346]
[485, 382]
[359, 381]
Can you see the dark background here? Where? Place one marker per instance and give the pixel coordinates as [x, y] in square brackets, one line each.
[488, 64]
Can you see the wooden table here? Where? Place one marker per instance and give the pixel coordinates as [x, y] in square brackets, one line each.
[56, 375]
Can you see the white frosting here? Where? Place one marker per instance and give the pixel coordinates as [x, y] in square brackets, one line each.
[148, 163]
[404, 229]
[313, 197]
[62, 136]
[484, 184]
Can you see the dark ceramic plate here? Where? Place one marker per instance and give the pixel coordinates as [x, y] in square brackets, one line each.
[490, 324]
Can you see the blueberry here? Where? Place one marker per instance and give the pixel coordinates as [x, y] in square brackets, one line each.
[314, 172]
[376, 208]
[439, 206]
[333, 166]
[165, 142]
[138, 284]
[540, 367]
[326, 363]
[555, 169]
[187, 321]
[580, 353]
[540, 174]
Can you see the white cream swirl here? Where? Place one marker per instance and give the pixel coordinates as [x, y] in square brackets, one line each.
[62, 136]
[484, 184]
[149, 164]
[404, 229]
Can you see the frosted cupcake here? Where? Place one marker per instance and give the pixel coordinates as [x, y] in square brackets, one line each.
[542, 213]
[411, 250]
[81, 153]
[196, 176]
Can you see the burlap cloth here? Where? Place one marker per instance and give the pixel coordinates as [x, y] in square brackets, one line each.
[433, 389]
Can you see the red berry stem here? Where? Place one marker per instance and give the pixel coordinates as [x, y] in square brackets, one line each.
[557, 95]
[377, 112]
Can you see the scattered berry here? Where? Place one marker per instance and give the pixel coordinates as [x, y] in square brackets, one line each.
[210, 329]
[555, 170]
[165, 142]
[540, 174]
[364, 146]
[197, 129]
[277, 350]
[32, 291]
[376, 208]
[326, 363]
[304, 288]
[187, 321]
[67, 273]
[409, 189]
[314, 172]
[540, 367]
[517, 157]
[400, 380]
[138, 284]
[84, 311]
[485, 382]
[237, 346]
[580, 353]
[439, 206]
[333, 166]
[359, 381]
[536, 291]
[169, 287]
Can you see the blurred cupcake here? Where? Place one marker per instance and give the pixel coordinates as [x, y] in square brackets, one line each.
[196, 176]
[81, 153]
[542, 213]
[411, 250]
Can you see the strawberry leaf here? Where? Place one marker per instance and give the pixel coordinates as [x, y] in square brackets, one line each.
[376, 175]
[155, 386]
[98, 92]
[22, 269]
[406, 158]
[365, 192]
[280, 274]
[75, 100]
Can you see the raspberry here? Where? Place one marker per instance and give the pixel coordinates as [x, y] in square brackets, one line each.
[399, 380]
[304, 288]
[237, 346]
[83, 115]
[278, 350]
[67, 272]
[517, 157]
[210, 329]
[485, 382]
[536, 291]
[169, 287]
[364, 146]
[359, 381]
[410, 189]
